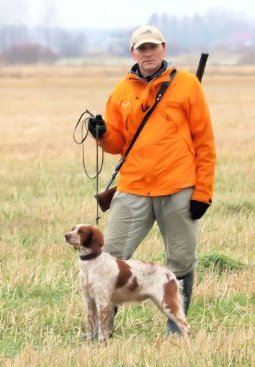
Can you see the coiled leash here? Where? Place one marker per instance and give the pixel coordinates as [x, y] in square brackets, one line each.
[83, 124]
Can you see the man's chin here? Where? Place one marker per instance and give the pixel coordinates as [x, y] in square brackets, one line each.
[149, 69]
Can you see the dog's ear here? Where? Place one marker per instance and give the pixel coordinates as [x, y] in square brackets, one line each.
[97, 238]
[91, 237]
[85, 234]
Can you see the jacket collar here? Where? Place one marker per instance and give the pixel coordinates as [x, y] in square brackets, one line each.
[135, 70]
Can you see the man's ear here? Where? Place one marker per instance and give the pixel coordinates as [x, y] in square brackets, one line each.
[132, 52]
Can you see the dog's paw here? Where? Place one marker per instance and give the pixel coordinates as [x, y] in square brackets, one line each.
[89, 337]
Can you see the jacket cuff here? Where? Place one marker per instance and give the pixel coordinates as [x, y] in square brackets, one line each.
[201, 196]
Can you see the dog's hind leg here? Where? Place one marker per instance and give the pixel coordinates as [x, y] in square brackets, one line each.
[171, 304]
[175, 313]
[179, 319]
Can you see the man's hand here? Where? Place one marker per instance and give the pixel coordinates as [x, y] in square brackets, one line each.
[96, 126]
[197, 209]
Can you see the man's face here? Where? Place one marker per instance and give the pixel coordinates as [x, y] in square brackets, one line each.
[149, 57]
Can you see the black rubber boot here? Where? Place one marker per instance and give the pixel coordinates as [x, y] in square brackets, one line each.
[187, 284]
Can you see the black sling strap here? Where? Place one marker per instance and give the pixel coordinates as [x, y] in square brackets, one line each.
[160, 94]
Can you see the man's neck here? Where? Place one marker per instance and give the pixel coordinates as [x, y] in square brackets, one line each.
[156, 73]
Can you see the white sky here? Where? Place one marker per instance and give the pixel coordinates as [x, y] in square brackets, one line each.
[111, 13]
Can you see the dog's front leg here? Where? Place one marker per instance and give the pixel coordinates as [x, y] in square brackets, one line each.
[103, 311]
[92, 322]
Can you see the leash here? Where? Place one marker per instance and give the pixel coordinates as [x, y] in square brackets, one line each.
[83, 124]
[97, 175]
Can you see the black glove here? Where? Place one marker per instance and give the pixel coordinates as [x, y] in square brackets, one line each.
[96, 123]
[197, 209]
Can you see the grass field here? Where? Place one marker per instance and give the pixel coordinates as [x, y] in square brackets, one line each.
[43, 192]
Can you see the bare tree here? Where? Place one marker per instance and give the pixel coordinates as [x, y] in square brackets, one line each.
[12, 20]
[49, 17]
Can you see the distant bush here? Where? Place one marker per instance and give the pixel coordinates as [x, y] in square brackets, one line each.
[28, 53]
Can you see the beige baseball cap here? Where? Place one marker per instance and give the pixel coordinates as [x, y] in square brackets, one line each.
[146, 34]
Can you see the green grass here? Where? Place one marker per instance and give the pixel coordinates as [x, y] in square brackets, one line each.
[218, 263]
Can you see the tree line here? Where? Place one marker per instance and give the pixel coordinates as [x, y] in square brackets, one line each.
[217, 30]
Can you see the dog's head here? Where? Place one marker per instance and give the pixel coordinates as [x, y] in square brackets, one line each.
[85, 238]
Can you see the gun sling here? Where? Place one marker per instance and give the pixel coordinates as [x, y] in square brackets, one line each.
[104, 199]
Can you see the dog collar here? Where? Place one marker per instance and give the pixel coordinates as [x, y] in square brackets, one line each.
[90, 256]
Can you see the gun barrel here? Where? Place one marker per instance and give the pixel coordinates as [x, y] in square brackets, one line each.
[201, 66]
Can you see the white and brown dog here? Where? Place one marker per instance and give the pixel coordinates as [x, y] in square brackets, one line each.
[106, 280]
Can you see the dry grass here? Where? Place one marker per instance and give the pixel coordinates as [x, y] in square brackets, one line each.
[43, 192]
[204, 350]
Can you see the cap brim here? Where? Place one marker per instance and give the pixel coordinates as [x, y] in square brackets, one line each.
[148, 40]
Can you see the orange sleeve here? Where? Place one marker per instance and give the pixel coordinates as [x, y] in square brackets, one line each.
[113, 140]
[203, 141]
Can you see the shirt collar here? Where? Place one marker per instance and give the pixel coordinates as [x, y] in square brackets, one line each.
[135, 70]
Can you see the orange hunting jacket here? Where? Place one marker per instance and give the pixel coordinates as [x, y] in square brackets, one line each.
[175, 149]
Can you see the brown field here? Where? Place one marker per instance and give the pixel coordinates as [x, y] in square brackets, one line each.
[44, 191]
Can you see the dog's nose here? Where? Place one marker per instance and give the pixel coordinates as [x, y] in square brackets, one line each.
[67, 236]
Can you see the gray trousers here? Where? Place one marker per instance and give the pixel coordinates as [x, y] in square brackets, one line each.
[131, 217]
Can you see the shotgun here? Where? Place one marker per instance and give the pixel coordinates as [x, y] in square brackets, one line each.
[201, 66]
[104, 198]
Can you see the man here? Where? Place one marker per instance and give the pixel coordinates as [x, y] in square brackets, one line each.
[169, 173]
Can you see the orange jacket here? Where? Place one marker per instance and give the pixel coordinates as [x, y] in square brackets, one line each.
[175, 149]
